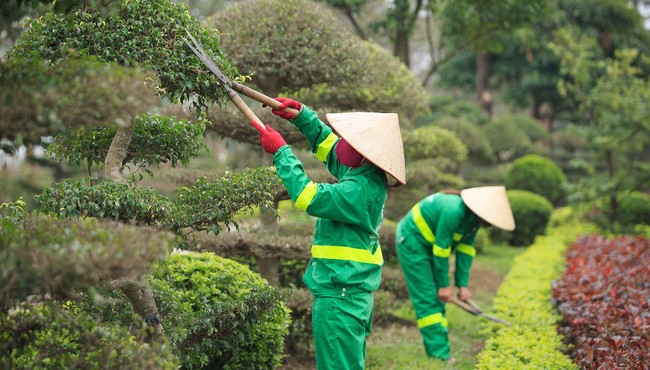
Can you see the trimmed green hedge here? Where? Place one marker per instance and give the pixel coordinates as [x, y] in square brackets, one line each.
[524, 299]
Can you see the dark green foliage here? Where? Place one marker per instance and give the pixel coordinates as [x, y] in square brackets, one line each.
[634, 209]
[301, 49]
[61, 258]
[218, 314]
[106, 199]
[469, 134]
[55, 336]
[155, 140]
[39, 100]
[532, 213]
[430, 142]
[449, 106]
[144, 32]
[537, 174]
[206, 204]
[507, 140]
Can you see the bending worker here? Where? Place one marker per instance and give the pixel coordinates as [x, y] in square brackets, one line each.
[346, 262]
[437, 225]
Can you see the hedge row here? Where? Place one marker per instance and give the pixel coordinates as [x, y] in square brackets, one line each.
[524, 299]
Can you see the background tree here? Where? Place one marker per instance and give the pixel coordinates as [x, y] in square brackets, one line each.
[611, 96]
[300, 47]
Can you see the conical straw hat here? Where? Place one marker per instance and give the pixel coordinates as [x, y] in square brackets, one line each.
[491, 204]
[376, 136]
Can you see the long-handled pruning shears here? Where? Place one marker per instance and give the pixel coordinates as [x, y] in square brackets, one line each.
[232, 88]
[475, 310]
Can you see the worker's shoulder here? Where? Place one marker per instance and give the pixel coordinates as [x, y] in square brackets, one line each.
[449, 203]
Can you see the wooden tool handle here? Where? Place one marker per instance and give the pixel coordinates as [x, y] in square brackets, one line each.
[258, 96]
[245, 109]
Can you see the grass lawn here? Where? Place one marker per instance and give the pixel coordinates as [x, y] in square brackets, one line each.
[399, 346]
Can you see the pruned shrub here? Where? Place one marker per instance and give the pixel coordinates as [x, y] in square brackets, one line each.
[532, 213]
[218, 314]
[536, 174]
[449, 106]
[300, 340]
[54, 336]
[156, 139]
[470, 134]
[507, 140]
[146, 33]
[62, 258]
[106, 199]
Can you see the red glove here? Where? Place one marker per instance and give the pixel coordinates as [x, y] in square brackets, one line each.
[287, 103]
[271, 140]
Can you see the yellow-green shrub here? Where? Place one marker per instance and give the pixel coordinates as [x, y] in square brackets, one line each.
[524, 299]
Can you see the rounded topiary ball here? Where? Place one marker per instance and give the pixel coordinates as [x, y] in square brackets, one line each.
[219, 314]
[532, 213]
[536, 174]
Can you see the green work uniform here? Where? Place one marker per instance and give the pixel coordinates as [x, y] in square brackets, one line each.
[346, 262]
[426, 236]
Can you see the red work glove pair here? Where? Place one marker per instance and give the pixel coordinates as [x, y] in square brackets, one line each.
[271, 140]
[286, 103]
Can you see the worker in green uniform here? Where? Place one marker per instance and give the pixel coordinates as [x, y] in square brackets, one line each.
[436, 226]
[346, 262]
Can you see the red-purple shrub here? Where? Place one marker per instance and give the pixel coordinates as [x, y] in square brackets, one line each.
[604, 299]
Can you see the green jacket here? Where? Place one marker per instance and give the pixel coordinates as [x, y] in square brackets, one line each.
[445, 223]
[346, 256]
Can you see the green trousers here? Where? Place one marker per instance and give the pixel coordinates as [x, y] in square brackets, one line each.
[416, 261]
[340, 327]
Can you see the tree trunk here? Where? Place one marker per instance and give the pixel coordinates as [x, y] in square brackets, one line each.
[117, 152]
[401, 47]
[613, 200]
[483, 96]
[141, 297]
[137, 291]
[269, 267]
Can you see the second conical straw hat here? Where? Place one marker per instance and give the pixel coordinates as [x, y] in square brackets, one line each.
[376, 136]
[491, 204]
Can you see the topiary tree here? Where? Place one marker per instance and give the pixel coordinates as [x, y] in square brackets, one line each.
[532, 213]
[537, 174]
[303, 51]
[146, 34]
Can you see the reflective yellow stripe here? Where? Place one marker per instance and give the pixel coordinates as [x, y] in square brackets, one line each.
[466, 249]
[457, 237]
[306, 195]
[441, 252]
[434, 319]
[324, 148]
[347, 254]
[422, 224]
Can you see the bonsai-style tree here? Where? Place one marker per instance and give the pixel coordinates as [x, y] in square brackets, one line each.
[133, 47]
